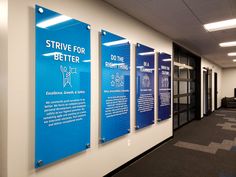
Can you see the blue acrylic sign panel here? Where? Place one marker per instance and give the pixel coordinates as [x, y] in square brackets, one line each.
[144, 86]
[164, 86]
[62, 86]
[115, 81]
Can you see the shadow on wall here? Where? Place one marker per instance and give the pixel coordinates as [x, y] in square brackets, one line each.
[31, 75]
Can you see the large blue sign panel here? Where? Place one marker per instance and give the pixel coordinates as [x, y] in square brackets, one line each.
[115, 86]
[144, 86]
[62, 86]
[164, 86]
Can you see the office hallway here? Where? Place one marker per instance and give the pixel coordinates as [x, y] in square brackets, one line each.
[205, 148]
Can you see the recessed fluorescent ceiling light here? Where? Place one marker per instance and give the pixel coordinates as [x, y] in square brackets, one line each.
[221, 25]
[228, 44]
[234, 60]
[122, 41]
[53, 21]
[232, 54]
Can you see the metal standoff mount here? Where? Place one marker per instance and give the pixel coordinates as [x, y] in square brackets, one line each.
[40, 10]
[39, 163]
[103, 140]
[87, 145]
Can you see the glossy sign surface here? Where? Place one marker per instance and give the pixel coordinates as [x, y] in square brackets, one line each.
[164, 86]
[144, 86]
[62, 86]
[115, 82]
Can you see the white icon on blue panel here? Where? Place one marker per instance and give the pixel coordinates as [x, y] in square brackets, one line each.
[165, 82]
[117, 80]
[146, 83]
[66, 74]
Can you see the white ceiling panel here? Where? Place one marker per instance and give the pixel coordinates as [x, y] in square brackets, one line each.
[210, 10]
[186, 26]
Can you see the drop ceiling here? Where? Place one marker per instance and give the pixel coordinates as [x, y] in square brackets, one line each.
[182, 21]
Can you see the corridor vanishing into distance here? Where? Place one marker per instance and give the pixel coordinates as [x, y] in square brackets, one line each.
[205, 148]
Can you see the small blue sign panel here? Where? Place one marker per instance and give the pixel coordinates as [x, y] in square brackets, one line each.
[164, 86]
[62, 86]
[115, 81]
[144, 86]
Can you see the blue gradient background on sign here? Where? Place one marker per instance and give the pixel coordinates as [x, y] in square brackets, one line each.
[57, 142]
[164, 112]
[119, 125]
[144, 119]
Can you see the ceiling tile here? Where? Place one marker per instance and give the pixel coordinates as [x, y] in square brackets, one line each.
[186, 26]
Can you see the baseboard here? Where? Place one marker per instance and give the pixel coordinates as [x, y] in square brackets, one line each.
[115, 171]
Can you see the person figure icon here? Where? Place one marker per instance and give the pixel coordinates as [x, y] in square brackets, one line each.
[66, 74]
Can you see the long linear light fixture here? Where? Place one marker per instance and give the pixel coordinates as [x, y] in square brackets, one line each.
[234, 60]
[221, 25]
[53, 21]
[118, 42]
[232, 54]
[228, 44]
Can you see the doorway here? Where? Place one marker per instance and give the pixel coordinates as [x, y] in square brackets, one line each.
[186, 86]
[205, 88]
[216, 90]
[207, 91]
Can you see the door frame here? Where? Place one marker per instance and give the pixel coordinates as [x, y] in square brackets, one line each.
[205, 91]
[216, 90]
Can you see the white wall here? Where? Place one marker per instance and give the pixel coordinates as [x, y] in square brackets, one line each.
[228, 82]
[98, 160]
[215, 68]
[3, 86]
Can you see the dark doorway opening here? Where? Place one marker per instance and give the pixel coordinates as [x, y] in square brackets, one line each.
[187, 86]
[207, 91]
[216, 90]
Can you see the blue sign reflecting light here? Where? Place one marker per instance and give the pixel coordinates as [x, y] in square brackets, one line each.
[62, 86]
[115, 77]
[164, 86]
[144, 86]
